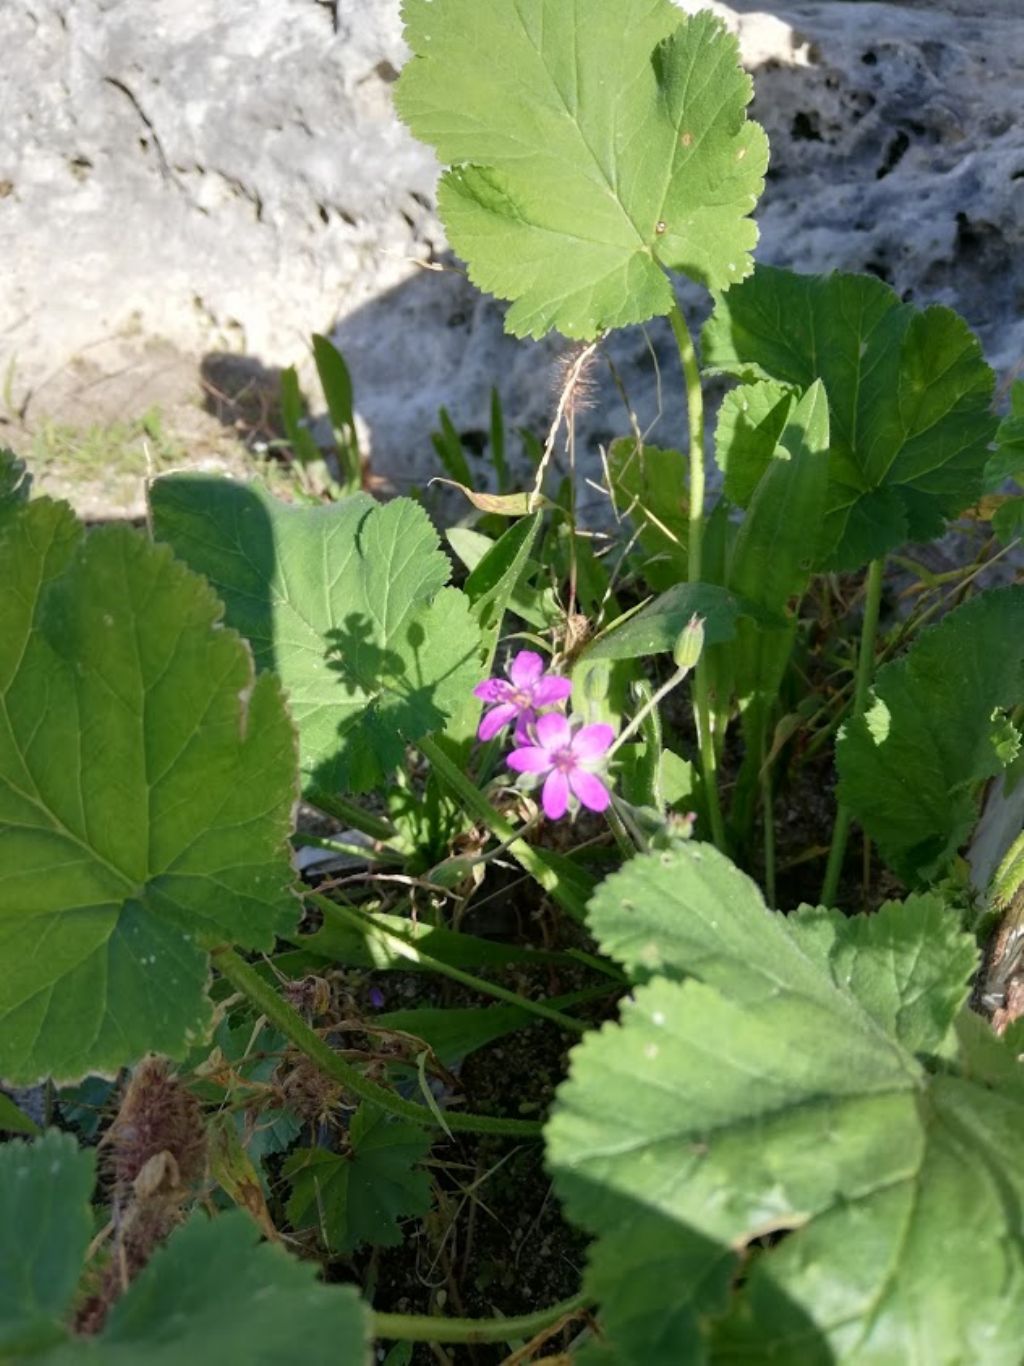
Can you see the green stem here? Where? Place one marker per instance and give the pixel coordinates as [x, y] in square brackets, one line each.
[568, 885]
[695, 543]
[768, 822]
[370, 853]
[650, 766]
[407, 948]
[625, 845]
[247, 980]
[343, 810]
[426, 1328]
[695, 416]
[865, 669]
[647, 708]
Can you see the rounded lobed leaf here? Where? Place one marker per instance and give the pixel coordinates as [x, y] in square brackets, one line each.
[45, 1227]
[214, 1294]
[909, 399]
[359, 1197]
[787, 1087]
[587, 154]
[146, 788]
[346, 603]
[909, 768]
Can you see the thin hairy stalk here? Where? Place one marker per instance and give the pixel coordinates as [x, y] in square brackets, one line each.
[564, 400]
[424, 1328]
[568, 885]
[865, 669]
[648, 707]
[695, 543]
[649, 767]
[278, 1012]
[627, 848]
[408, 948]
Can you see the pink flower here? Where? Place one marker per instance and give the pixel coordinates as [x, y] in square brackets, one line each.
[568, 760]
[519, 700]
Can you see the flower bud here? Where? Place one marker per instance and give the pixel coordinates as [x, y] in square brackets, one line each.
[688, 646]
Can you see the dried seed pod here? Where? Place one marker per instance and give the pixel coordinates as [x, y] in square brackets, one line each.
[159, 1122]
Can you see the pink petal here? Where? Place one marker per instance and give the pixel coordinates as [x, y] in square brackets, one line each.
[523, 734]
[526, 668]
[590, 790]
[552, 730]
[529, 759]
[555, 797]
[492, 721]
[551, 689]
[491, 690]
[591, 741]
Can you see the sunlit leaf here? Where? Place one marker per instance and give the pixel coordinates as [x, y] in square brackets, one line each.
[750, 423]
[346, 603]
[782, 1080]
[588, 153]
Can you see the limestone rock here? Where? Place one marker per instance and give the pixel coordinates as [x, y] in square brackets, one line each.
[208, 180]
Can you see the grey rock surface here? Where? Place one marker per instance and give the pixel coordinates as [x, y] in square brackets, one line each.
[207, 180]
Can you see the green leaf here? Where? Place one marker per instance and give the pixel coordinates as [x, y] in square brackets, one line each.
[15, 482]
[341, 942]
[1008, 520]
[13, 1120]
[337, 386]
[774, 552]
[146, 787]
[1007, 462]
[785, 1087]
[448, 445]
[45, 1227]
[454, 1032]
[293, 418]
[359, 1197]
[215, 1294]
[346, 603]
[909, 768]
[649, 484]
[909, 397]
[587, 157]
[655, 629]
[750, 423]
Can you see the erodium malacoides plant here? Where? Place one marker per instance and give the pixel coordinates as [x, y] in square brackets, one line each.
[788, 1130]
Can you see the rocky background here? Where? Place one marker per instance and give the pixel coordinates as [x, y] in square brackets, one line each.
[188, 190]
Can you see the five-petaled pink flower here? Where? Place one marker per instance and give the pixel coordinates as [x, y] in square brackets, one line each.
[520, 697]
[568, 758]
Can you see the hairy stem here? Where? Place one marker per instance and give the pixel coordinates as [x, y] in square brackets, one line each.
[695, 542]
[865, 669]
[407, 948]
[647, 708]
[244, 978]
[569, 885]
[425, 1328]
